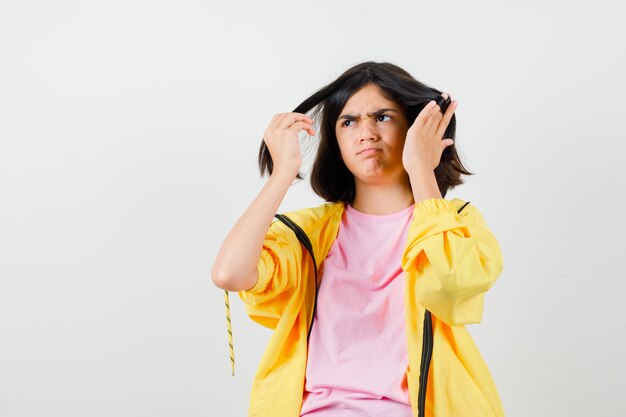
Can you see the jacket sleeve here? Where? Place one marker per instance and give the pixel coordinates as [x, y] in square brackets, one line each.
[279, 276]
[456, 259]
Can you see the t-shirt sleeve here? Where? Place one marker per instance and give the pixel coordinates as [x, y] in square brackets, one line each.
[456, 258]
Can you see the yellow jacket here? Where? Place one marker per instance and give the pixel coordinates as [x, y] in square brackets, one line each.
[450, 260]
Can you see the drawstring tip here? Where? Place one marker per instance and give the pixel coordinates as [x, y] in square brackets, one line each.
[230, 332]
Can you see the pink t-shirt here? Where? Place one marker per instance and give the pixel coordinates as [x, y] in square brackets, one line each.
[357, 357]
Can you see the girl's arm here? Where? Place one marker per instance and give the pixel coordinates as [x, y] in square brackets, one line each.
[235, 268]
[455, 258]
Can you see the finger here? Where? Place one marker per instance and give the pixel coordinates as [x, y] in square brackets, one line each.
[425, 112]
[289, 118]
[431, 123]
[301, 125]
[447, 142]
[436, 110]
[445, 98]
[283, 120]
[445, 121]
[433, 117]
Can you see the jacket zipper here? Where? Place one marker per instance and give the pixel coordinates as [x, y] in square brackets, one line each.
[427, 351]
[313, 316]
[427, 343]
[304, 239]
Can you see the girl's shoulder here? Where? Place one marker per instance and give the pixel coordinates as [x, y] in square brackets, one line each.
[310, 218]
[459, 203]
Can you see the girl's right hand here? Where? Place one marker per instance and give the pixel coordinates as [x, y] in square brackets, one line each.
[281, 139]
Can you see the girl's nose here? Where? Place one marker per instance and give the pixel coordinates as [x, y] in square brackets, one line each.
[367, 131]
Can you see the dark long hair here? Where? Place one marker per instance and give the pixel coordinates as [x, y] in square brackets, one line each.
[330, 178]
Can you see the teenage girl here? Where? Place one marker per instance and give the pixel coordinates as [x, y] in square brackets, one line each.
[400, 269]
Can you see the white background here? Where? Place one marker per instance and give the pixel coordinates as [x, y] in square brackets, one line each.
[129, 134]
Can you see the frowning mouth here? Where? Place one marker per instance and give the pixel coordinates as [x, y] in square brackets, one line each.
[368, 151]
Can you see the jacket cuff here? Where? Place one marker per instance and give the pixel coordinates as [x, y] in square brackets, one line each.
[433, 206]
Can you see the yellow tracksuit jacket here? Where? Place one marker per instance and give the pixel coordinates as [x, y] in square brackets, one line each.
[450, 260]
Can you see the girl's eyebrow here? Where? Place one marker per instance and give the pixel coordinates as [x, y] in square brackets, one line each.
[376, 113]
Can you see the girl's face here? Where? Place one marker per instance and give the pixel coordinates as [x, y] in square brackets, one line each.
[369, 120]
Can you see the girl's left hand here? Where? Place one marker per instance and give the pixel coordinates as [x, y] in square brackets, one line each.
[423, 146]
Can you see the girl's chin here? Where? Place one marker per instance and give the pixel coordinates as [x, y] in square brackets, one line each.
[376, 175]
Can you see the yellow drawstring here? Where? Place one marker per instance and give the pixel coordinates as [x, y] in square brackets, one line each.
[230, 332]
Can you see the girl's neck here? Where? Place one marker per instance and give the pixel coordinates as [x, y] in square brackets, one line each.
[381, 199]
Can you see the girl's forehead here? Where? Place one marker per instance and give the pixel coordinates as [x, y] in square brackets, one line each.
[368, 98]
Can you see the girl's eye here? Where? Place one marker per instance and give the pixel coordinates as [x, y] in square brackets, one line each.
[344, 123]
[377, 118]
